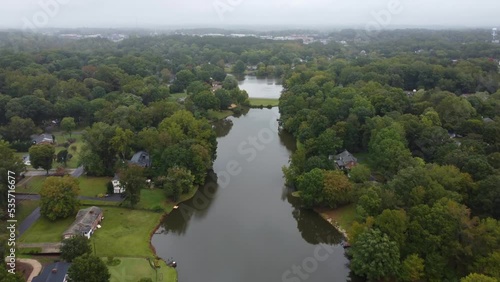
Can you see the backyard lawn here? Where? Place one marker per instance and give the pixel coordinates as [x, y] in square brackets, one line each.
[151, 199]
[33, 186]
[25, 208]
[217, 115]
[125, 233]
[60, 139]
[344, 216]
[89, 186]
[133, 269]
[92, 186]
[44, 230]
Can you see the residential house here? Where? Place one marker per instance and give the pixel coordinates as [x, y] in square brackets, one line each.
[85, 224]
[344, 160]
[55, 272]
[26, 160]
[141, 158]
[117, 188]
[42, 139]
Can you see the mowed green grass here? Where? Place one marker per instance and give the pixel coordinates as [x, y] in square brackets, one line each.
[125, 233]
[89, 186]
[217, 115]
[32, 186]
[25, 208]
[61, 137]
[263, 101]
[46, 231]
[92, 186]
[133, 269]
[153, 198]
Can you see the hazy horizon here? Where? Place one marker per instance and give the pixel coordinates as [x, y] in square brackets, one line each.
[231, 14]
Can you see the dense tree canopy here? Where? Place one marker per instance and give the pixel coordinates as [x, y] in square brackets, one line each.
[59, 197]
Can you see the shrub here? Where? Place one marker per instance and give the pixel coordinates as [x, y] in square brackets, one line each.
[158, 208]
[71, 140]
[109, 188]
[73, 148]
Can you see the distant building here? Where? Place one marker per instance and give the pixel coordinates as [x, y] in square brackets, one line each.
[141, 158]
[487, 120]
[85, 223]
[55, 272]
[344, 160]
[42, 139]
[117, 187]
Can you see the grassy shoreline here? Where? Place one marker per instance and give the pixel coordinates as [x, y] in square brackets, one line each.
[341, 218]
[264, 102]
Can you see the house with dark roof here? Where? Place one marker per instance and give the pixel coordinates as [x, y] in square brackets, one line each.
[56, 272]
[141, 158]
[85, 224]
[44, 138]
[344, 160]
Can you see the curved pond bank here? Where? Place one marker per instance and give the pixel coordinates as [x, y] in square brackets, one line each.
[244, 225]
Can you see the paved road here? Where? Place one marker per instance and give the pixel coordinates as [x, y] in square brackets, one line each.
[29, 221]
[78, 172]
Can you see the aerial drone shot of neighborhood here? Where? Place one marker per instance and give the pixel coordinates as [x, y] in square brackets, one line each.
[249, 141]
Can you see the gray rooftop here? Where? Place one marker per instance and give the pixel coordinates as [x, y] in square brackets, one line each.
[84, 220]
[344, 158]
[141, 158]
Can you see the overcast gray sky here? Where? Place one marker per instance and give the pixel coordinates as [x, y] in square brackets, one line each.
[228, 13]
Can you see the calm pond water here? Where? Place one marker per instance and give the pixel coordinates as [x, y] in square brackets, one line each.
[261, 87]
[244, 225]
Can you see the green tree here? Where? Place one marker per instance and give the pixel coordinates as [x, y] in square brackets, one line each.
[19, 129]
[412, 268]
[394, 224]
[239, 67]
[133, 180]
[88, 268]
[62, 156]
[474, 277]
[388, 149]
[337, 190]
[310, 185]
[8, 162]
[375, 256]
[68, 125]
[179, 181]
[59, 197]
[74, 247]
[98, 156]
[42, 156]
[122, 141]
[6, 276]
[360, 173]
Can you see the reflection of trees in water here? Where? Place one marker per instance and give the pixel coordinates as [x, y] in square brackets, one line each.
[178, 220]
[222, 127]
[287, 140]
[314, 229]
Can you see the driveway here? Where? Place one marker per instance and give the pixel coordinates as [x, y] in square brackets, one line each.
[78, 172]
[30, 220]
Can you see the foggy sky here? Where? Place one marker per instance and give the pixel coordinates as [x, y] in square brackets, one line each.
[232, 13]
